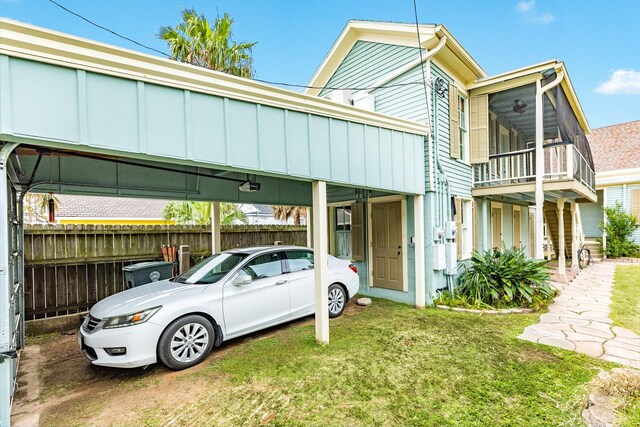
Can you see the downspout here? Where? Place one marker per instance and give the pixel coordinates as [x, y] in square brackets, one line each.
[427, 58]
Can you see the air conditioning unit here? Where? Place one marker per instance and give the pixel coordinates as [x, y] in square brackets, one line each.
[343, 96]
[364, 100]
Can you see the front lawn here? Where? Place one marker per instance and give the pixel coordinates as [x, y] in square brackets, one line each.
[388, 364]
[625, 307]
[394, 365]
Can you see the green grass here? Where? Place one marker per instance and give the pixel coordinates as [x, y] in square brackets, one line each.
[625, 303]
[394, 365]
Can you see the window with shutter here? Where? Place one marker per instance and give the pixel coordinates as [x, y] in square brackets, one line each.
[635, 203]
[357, 231]
[479, 132]
[454, 126]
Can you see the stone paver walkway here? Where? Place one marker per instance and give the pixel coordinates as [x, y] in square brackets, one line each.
[579, 320]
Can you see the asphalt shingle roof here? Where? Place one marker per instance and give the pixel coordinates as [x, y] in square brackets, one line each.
[616, 147]
[108, 207]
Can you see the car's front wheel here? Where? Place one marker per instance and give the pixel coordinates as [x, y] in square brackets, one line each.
[337, 300]
[186, 342]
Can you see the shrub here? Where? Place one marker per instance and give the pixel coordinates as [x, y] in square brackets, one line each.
[506, 277]
[619, 227]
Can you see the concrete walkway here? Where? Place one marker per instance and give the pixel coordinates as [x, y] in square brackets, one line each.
[579, 320]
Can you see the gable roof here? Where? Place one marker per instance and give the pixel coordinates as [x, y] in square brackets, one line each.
[616, 147]
[403, 34]
[109, 207]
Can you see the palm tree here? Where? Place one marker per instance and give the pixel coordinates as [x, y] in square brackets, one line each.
[208, 44]
[199, 213]
[283, 213]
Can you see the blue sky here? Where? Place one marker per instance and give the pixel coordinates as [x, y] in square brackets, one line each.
[599, 41]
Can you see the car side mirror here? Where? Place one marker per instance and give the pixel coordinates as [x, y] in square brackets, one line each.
[241, 278]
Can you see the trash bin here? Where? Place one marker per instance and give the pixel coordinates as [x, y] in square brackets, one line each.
[146, 272]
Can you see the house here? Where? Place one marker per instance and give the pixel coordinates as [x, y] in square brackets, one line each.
[506, 156]
[263, 214]
[110, 210]
[616, 153]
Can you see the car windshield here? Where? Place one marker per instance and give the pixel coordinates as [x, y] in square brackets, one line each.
[211, 269]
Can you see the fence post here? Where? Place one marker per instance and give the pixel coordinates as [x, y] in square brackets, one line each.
[184, 258]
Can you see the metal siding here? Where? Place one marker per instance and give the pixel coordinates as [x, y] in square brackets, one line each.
[44, 100]
[367, 62]
[372, 155]
[112, 112]
[386, 159]
[50, 104]
[207, 128]
[298, 143]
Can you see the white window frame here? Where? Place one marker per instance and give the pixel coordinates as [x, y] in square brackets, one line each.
[463, 128]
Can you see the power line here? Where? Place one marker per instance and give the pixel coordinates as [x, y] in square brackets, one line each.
[107, 29]
[364, 88]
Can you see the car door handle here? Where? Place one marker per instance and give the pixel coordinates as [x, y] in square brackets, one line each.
[281, 282]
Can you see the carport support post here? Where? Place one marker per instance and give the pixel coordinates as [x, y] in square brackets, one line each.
[321, 259]
[575, 241]
[215, 228]
[418, 218]
[539, 162]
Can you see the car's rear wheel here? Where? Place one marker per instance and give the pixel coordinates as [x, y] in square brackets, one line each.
[186, 342]
[337, 300]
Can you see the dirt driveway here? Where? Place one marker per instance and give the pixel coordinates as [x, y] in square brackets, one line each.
[55, 380]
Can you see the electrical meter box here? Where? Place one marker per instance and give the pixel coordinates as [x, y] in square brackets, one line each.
[438, 232]
[451, 255]
[450, 230]
[439, 260]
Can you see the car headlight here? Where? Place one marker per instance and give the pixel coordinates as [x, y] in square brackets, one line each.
[130, 319]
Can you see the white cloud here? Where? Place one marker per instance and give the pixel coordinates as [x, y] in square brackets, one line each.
[528, 10]
[621, 82]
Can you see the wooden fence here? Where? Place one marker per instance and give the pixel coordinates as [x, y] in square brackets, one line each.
[70, 267]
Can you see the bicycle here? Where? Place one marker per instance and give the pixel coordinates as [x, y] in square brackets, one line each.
[584, 257]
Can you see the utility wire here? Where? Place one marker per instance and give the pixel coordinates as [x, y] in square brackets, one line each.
[106, 29]
[254, 79]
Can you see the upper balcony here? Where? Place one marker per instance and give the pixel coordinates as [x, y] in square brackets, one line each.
[516, 126]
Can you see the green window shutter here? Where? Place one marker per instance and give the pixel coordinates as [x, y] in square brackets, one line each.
[357, 231]
[454, 126]
[479, 124]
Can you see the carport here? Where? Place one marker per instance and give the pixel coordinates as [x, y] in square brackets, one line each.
[81, 117]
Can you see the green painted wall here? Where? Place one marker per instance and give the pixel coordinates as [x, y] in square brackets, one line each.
[51, 105]
[591, 215]
[367, 62]
[622, 194]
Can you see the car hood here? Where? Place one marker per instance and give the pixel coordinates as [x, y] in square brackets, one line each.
[145, 296]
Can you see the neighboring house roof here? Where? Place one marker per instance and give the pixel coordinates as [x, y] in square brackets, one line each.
[616, 147]
[108, 207]
[256, 210]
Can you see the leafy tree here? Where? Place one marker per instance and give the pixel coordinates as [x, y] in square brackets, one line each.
[207, 44]
[36, 207]
[199, 213]
[283, 213]
[619, 227]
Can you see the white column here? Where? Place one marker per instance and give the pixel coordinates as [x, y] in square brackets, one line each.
[418, 226]
[215, 228]
[321, 258]
[539, 194]
[309, 228]
[575, 243]
[562, 267]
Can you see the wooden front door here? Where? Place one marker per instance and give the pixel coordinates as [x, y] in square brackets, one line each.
[496, 227]
[517, 239]
[387, 245]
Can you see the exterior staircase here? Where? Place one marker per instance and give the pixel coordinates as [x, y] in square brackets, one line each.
[551, 219]
[596, 251]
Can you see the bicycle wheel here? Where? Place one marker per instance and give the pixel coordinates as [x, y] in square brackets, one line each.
[582, 259]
